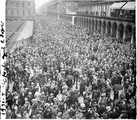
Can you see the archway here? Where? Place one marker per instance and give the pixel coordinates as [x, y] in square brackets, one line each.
[85, 22]
[89, 25]
[96, 25]
[114, 30]
[128, 33]
[99, 27]
[78, 23]
[134, 37]
[92, 24]
[75, 20]
[82, 22]
[109, 28]
[120, 31]
[104, 27]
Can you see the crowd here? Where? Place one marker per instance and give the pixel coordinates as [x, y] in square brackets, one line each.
[67, 73]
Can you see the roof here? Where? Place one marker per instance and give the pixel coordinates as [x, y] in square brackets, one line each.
[118, 5]
[20, 0]
[129, 6]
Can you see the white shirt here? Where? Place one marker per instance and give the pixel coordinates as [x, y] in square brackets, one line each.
[37, 95]
[59, 97]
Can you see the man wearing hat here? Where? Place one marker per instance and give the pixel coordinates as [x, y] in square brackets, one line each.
[59, 115]
[17, 101]
[65, 115]
[54, 111]
[83, 108]
[47, 112]
[108, 110]
[9, 99]
[82, 87]
[30, 97]
[37, 94]
[71, 112]
[79, 115]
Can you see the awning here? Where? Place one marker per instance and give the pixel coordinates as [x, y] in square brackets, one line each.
[117, 5]
[129, 6]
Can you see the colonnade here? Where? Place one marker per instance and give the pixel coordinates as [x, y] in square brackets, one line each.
[122, 30]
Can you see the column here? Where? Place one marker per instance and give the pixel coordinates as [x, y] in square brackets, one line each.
[80, 22]
[106, 31]
[111, 30]
[87, 24]
[73, 17]
[83, 22]
[124, 34]
[77, 20]
[117, 33]
[89, 27]
[133, 34]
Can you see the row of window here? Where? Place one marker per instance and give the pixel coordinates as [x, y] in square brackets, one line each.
[102, 13]
[124, 14]
[12, 12]
[91, 8]
[18, 4]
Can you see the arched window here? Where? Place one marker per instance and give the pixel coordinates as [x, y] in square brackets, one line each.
[128, 31]
[104, 27]
[114, 30]
[109, 28]
[120, 31]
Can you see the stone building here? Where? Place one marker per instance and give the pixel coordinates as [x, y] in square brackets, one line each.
[23, 9]
[115, 18]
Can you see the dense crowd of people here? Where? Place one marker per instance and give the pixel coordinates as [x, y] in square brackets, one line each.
[67, 73]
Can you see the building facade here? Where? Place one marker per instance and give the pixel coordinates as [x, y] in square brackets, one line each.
[20, 9]
[115, 18]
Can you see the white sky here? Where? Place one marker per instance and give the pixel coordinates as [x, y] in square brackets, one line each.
[40, 2]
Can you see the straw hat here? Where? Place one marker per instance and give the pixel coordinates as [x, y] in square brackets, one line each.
[108, 108]
[26, 98]
[47, 104]
[59, 114]
[82, 105]
[32, 83]
[30, 93]
[55, 106]
[16, 97]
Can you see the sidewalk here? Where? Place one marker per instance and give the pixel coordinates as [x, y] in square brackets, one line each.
[24, 33]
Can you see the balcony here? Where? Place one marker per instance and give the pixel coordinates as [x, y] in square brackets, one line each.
[104, 16]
